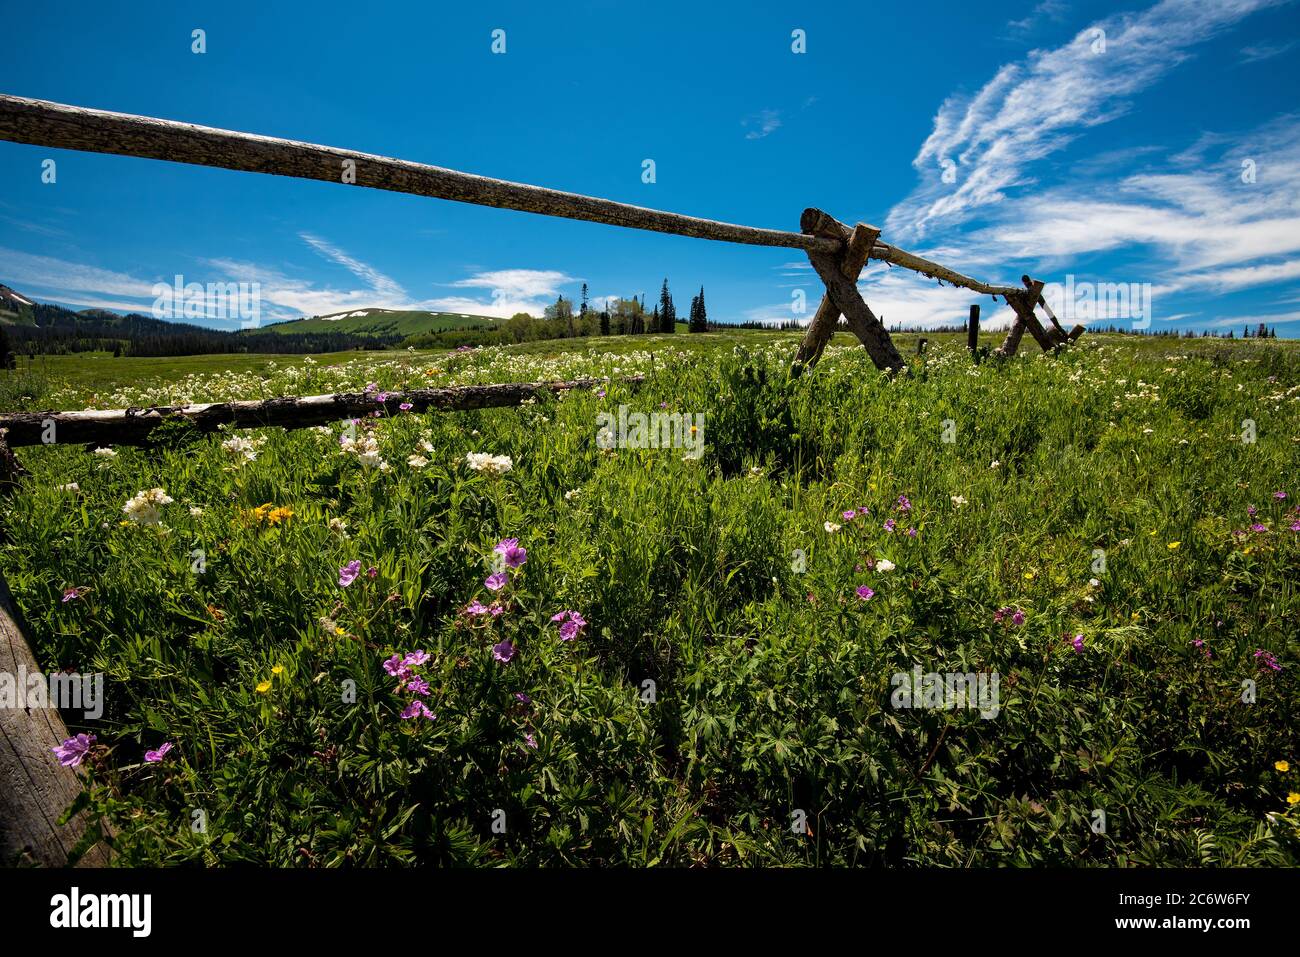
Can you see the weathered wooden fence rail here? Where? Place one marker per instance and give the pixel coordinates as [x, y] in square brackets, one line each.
[838, 253]
[136, 426]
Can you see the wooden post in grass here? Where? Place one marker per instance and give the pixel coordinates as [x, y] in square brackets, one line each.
[1022, 302]
[35, 789]
[920, 346]
[973, 332]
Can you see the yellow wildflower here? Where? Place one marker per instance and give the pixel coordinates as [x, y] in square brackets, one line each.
[264, 686]
[1283, 765]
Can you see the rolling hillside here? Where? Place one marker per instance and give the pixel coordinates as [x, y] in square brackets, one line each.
[380, 323]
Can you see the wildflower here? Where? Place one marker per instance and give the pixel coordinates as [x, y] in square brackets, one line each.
[523, 698]
[1282, 766]
[1094, 583]
[1293, 798]
[70, 487]
[1279, 495]
[572, 494]
[476, 607]
[912, 533]
[414, 658]
[994, 464]
[264, 686]
[338, 527]
[396, 666]
[106, 453]
[145, 508]
[503, 651]
[1269, 659]
[1259, 528]
[530, 741]
[70, 593]
[195, 511]
[371, 572]
[1018, 617]
[958, 500]
[240, 449]
[903, 504]
[497, 581]
[1077, 643]
[349, 572]
[278, 515]
[571, 624]
[890, 525]
[277, 670]
[511, 553]
[491, 464]
[850, 515]
[417, 461]
[418, 709]
[417, 685]
[831, 527]
[1173, 545]
[74, 750]
[153, 757]
[406, 407]
[865, 593]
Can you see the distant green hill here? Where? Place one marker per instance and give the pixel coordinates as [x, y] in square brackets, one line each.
[379, 323]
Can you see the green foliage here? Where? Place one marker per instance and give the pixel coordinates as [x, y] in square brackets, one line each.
[730, 678]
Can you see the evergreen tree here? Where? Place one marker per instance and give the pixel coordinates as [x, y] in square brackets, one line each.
[699, 316]
[604, 321]
[583, 309]
[667, 311]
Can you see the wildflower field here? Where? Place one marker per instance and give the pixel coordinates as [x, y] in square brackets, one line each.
[485, 638]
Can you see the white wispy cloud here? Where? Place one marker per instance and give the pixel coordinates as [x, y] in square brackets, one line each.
[1032, 109]
[763, 122]
[1265, 51]
[1052, 10]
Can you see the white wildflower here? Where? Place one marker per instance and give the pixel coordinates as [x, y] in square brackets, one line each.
[145, 508]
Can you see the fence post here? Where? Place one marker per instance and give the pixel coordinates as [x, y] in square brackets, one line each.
[973, 332]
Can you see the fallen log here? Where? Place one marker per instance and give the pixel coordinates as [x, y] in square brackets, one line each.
[136, 426]
[35, 789]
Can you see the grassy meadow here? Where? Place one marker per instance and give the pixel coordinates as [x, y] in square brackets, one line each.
[687, 661]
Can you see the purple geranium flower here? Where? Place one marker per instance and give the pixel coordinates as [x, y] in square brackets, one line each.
[70, 593]
[74, 750]
[416, 657]
[417, 709]
[476, 607]
[417, 685]
[349, 572]
[503, 651]
[1077, 642]
[1269, 659]
[903, 504]
[865, 593]
[509, 550]
[571, 624]
[406, 407]
[153, 757]
[890, 524]
[396, 667]
[497, 581]
[850, 515]
[530, 741]
[523, 698]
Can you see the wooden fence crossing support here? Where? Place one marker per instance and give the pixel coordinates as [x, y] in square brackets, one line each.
[840, 276]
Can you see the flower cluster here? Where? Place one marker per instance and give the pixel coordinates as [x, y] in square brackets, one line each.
[409, 681]
[145, 508]
[492, 465]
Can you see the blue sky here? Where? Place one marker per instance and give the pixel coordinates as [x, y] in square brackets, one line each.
[1120, 161]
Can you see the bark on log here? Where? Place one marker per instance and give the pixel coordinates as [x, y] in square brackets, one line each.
[136, 426]
[43, 123]
[35, 789]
